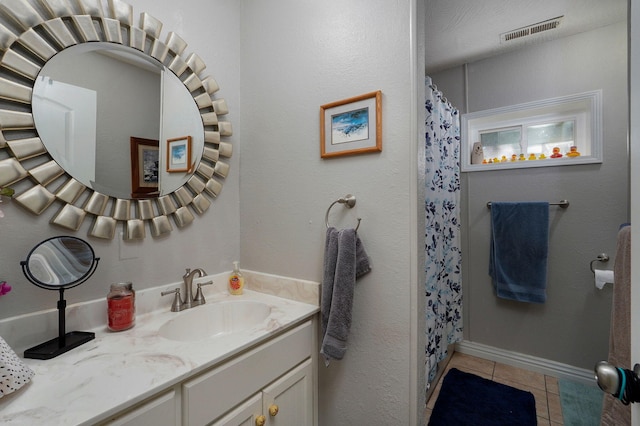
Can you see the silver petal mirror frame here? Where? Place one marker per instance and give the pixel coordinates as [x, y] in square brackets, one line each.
[36, 31]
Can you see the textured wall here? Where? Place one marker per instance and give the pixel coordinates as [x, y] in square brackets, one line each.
[572, 327]
[296, 56]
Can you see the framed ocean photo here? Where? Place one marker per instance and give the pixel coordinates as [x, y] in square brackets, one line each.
[351, 126]
[179, 154]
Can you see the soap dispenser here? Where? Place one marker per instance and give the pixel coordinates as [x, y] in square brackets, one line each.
[236, 281]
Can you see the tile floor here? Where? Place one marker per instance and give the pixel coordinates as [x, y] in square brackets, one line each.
[544, 388]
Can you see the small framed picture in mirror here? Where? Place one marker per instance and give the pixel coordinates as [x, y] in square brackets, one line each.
[144, 168]
[179, 154]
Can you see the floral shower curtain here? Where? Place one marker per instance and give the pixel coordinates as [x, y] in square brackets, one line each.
[443, 286]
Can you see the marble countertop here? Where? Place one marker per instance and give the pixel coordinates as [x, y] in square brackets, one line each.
[118, 369]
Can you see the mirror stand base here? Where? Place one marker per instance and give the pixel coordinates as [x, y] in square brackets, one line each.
[55, 347]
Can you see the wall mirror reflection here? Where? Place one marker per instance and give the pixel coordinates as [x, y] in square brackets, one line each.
[90, 100]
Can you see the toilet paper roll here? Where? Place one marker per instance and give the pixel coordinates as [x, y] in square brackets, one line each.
[603, 277]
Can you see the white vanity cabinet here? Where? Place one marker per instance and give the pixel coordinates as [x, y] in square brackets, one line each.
[286, 402]
[270, 369]
[162, 410]
[271, 384]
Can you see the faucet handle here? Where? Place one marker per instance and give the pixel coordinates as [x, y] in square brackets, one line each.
[199, 298]
[176, 306]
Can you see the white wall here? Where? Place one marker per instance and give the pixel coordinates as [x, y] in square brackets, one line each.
[212, 29]
[296, 56]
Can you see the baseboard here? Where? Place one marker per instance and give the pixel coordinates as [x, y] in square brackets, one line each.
[528, 362]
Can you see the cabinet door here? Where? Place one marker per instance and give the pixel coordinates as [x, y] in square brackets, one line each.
[243, 415]
[211, 394]
[161, 411]
[292, 394]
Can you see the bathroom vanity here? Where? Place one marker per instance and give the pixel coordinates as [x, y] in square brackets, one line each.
[249, 360]
[274, 379]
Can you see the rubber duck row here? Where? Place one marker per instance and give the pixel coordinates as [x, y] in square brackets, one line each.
[573, 152]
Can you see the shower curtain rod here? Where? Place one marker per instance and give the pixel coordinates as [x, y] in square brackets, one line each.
[562, 203]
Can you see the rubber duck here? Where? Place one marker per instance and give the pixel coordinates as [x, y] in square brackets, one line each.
[556, 152]
[521, 157]
[503, 159]
[573, 152]
[542, 156]
[490, 160]
[532, 156]
[484, 161]
[514, 157]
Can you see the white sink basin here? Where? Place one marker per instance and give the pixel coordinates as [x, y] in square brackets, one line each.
[218, 318]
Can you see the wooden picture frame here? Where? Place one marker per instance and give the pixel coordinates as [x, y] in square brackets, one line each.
[145, 156]
[179, 154]
[351, 126]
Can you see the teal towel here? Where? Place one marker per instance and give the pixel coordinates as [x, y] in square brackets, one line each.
[519, 248]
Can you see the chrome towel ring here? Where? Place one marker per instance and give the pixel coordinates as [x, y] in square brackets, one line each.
[348, 200]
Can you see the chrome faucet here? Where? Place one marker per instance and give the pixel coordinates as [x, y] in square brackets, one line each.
[190, 300]
[187, 278]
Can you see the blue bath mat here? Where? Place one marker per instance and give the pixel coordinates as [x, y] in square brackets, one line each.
[467, 399]
[581, 404]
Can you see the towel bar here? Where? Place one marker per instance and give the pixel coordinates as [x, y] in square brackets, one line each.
[348, 200]
[562, 203]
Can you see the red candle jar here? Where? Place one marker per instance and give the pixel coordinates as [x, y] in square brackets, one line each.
[121, 307]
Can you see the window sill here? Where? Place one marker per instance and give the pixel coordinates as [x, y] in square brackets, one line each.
[548, 162]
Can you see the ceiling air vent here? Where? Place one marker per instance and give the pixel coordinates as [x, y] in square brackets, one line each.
[549, 24]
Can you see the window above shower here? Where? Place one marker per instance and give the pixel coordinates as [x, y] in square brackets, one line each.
[552, 132]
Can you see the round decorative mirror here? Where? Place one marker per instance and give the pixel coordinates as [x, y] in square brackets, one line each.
[60, 263]
[62, 141]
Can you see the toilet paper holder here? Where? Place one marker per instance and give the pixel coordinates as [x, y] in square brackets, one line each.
[602, 257]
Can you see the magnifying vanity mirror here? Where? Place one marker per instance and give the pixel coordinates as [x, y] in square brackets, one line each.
[90, 104]
[60, 263]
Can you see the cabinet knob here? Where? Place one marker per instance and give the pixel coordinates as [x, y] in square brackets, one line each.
[273, 410]
[261, 420]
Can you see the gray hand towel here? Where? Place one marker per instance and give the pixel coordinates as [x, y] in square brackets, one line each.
[345, 261]
[362, 260]
[330, 259]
